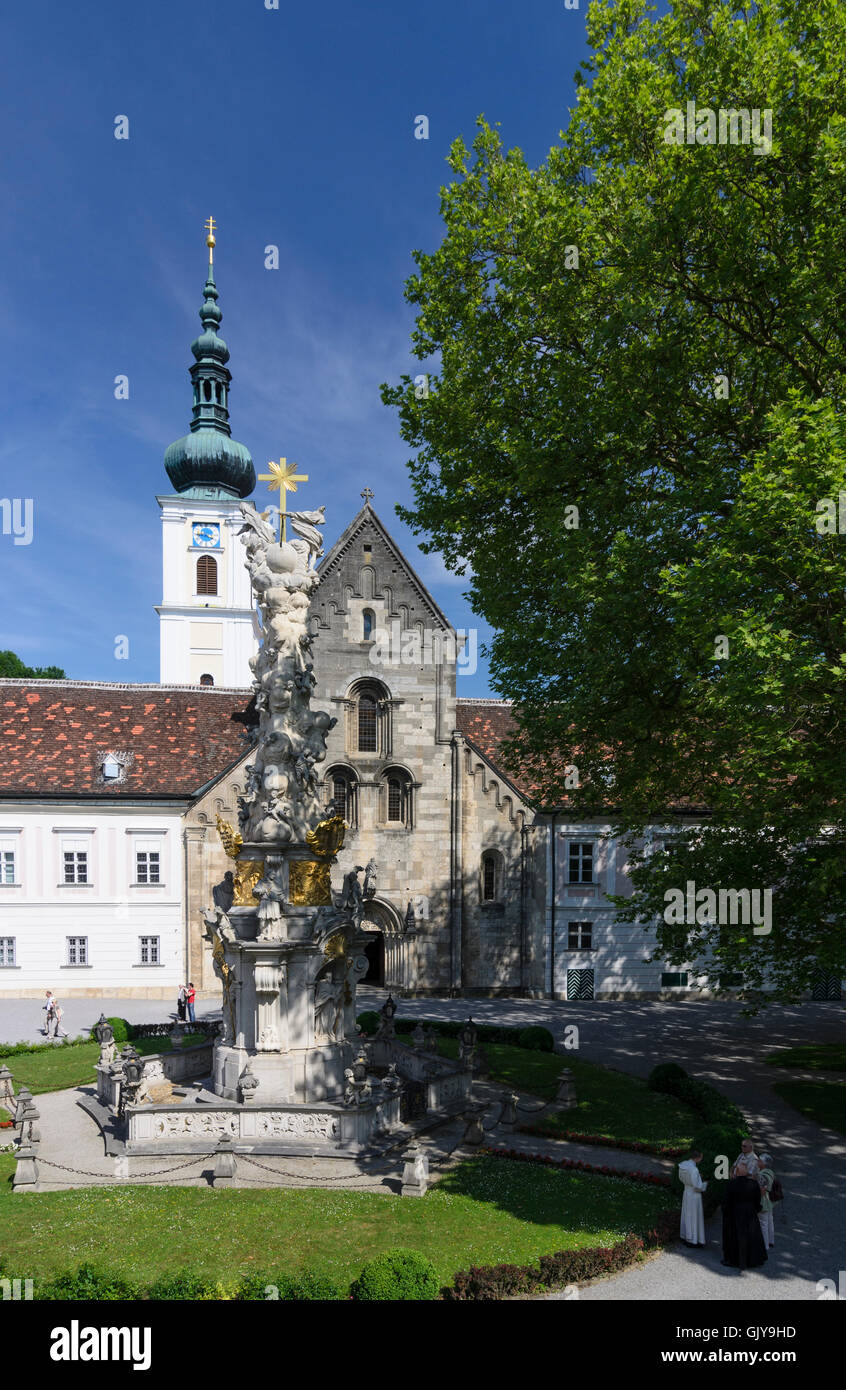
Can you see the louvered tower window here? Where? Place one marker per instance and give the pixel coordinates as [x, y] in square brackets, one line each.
[207, 575]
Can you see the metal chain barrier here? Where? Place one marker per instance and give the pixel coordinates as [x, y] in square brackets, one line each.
[86, 1173]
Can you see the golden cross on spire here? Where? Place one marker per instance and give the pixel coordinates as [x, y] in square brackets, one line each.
[210, 241]
[284, 477]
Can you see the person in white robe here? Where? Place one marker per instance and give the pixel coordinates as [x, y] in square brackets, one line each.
[692, 1216]
[748, 1156]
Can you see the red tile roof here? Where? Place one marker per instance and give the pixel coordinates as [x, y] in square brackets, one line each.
[487, 724]
[175, 739]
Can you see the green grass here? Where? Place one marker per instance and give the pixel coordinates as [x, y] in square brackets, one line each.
[487, 1211]
[822, 1101]
[811, 1057]
[58, 1068]
[608, 1102]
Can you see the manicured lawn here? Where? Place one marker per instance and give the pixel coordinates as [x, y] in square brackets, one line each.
[59, 1067]
[822, 1101]
[608, 1102]
[488, 1211]
[811, 1057]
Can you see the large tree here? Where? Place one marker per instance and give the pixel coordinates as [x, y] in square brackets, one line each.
[631, 418]
[12, 667]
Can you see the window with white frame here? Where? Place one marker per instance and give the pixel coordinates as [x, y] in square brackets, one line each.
[148, 863]
[75, 861]
[580, 865]
[77, 950]
[7, 951]
[8, 864]
[580, 936]
[149, 950]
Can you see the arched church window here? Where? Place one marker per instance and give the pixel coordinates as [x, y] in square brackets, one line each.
[491, 876]
[368, 719]
[368, 723]
[217, 394]
[206, 679]
[207, 575]
[341, 787]
[207, 390]
[395, 798]
[369, 621]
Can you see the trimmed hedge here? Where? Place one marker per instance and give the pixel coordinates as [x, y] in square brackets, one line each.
[121, 1029]
[636, 1146]
[722, 1132]
[397, 1275]
[535, 1038]
[488, 1282]
[16, 1049]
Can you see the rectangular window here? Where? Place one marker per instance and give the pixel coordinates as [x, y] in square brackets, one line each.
[394, 799]
[7, 951]
[77, 950]
[674, 979]
[580, 868]
[580, 936]
[147, 866]
[76, 865]
[7, 866]
[149, 950]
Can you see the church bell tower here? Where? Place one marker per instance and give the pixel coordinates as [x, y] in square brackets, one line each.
[207, 623]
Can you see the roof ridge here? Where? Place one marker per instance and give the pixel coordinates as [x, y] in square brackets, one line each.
[36, 683]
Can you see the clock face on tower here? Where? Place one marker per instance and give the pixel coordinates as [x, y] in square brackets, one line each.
[206, 534]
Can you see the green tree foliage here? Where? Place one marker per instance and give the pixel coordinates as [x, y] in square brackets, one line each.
[12, 668]
[624, 447]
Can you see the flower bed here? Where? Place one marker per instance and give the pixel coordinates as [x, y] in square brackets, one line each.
[655, 1179]
[606, 1140]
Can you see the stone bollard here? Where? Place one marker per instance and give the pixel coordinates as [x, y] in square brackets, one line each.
[418, 1037]
[508, 1117]
[565, 1096]
[7, 1090]
[26, 1172]
[225, 1165]
[474, 1133]
[24, 1098]
[415, 1174]
[30, 1133]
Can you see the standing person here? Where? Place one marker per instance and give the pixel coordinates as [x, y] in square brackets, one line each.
[49, 1017]
[743, 1244]
[58, 1014]
[692, 1216]
[190, 996]
[181, 1000]
[748, 1156]
[766, 1178]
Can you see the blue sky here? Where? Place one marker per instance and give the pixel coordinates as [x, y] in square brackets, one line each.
[294, 127]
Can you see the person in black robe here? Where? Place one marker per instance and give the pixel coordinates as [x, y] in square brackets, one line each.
[743, 1243]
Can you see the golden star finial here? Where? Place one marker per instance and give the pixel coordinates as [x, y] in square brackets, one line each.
[283, 477]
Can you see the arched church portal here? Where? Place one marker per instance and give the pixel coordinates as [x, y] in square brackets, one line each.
[388, 946]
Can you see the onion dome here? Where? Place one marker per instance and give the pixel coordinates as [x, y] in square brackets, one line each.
[208, 462]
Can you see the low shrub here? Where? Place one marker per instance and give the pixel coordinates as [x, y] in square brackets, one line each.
[121, 1029]
[667, 1077]
[536, 1039]
[89, 1284]
[303, 1287]
[369, 1021]
[397, 1275]
[183, 1284]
